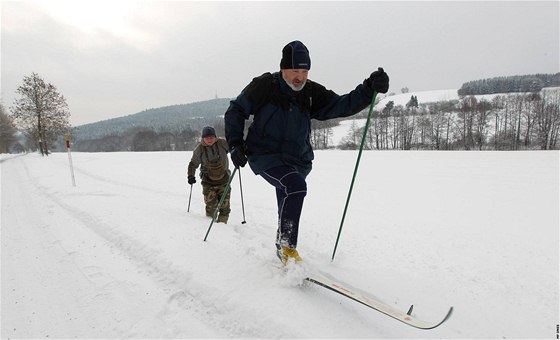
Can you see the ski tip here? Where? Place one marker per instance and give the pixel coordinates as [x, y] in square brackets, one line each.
[449, 313]
[447, 316]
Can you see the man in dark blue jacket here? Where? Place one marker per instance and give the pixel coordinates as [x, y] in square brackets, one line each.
[277, 144]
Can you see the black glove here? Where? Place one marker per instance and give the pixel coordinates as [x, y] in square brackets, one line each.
[238, 156]
[378, 81]
[191, 180]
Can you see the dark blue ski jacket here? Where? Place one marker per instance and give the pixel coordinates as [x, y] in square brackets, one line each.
[280, 130]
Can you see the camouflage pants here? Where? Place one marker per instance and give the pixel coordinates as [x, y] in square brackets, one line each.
[212, 196]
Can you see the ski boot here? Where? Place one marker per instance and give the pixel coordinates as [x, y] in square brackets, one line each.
[223, 219]
[287, 253]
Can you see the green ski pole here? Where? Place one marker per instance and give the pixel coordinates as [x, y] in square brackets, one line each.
[355, 172]
[220, 204]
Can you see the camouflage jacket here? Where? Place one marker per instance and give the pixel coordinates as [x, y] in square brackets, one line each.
[213, 162]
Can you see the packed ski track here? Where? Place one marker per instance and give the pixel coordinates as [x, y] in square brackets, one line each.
[119, 256]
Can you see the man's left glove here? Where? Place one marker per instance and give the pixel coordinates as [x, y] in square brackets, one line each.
[238, 156]
[191, 180]
[378, 81]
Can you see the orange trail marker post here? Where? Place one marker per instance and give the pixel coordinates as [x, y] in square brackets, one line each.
[70, 160]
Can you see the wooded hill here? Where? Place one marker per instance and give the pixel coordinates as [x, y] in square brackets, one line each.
[173, 118]
[168, 128]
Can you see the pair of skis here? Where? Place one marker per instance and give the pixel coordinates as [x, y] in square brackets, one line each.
[327, 281]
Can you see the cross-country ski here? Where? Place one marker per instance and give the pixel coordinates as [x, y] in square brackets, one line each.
[325, 280]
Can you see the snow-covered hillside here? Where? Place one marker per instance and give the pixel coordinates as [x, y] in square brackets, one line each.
[119, 256]
[423, 97]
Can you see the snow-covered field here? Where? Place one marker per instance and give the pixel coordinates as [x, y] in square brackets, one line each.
[119, 256]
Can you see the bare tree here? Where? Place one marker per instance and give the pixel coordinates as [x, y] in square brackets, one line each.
[465, 123]
[41, 111]
[321, 133]
[480, 123]
[548, 121]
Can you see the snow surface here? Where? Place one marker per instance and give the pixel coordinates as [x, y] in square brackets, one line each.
[119, 256]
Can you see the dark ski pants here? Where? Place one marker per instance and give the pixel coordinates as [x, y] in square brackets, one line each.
[291, 189]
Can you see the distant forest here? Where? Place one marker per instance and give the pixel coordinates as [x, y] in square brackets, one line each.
[523, 116]
[527, 83]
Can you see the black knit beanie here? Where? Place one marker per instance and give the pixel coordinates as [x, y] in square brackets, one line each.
[295, 56]
[208, 131]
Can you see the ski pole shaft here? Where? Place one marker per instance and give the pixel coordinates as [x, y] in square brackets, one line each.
[221, 202]
[190, 195]
[366, 128]
[242, 204]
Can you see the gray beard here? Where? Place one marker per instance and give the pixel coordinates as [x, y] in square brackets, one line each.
[292, 85]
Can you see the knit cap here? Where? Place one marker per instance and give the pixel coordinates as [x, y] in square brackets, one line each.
[295, 56]
[208, 131]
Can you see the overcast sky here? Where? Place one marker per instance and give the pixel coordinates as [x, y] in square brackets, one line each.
[115, 58]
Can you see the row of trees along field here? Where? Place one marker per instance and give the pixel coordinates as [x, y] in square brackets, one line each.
[504, 122]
